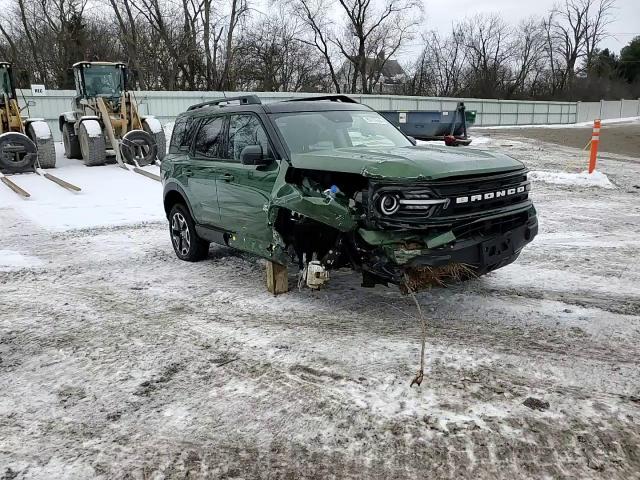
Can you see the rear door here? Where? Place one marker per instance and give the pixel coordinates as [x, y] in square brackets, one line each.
[203, 169]
[244, 190]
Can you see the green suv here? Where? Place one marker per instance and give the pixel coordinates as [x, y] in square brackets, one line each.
[330, 181]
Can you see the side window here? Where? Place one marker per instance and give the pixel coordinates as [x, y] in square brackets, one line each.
[177, 136]
[209, 137]
[246, 130]
[189, 132]
[182, 135]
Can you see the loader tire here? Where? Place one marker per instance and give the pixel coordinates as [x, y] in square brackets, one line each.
[46, 148]
[159, 138]
[93, 148]
[71, 142]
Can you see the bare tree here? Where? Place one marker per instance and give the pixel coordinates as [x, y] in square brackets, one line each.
[528, 47]
[366, 24]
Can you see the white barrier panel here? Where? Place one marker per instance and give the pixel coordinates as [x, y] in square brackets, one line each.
[167, 105]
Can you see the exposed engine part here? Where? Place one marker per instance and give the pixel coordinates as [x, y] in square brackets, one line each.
[315, 275]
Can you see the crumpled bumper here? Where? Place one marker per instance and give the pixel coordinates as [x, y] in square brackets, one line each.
[483, 253]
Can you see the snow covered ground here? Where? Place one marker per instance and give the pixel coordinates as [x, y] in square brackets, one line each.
[110, 196]
[119, 361]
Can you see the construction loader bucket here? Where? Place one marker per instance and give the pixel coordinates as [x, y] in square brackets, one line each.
[18, 153]
[139, 148]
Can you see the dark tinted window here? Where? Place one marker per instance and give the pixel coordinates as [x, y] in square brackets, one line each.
[179, 129]
[246, 130]
[209, 138]
[182, 135]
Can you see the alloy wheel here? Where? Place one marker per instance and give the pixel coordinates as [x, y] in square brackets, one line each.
[180, 234]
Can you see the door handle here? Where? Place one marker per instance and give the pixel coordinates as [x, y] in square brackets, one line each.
[227, 177]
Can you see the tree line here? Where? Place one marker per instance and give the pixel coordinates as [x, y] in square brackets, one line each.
[343, 46]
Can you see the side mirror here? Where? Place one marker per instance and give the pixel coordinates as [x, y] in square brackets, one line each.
[412, 140]
[252, 155]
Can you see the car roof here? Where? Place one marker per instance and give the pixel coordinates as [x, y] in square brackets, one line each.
[287, 106]
[302, 106]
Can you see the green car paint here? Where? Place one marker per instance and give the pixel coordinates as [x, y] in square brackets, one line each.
[410, 163]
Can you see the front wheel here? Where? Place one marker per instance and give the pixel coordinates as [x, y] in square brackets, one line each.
[40, 133]
[186, 242]
[92, 143]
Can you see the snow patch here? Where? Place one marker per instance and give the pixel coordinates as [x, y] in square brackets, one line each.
[154, 124]
[109, 196]
[41, 130]
[93, 128]
[11, 260]
[582, 179]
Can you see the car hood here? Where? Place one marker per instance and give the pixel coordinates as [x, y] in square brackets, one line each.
[424, 162]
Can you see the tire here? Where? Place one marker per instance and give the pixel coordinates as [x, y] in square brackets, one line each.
[159, 138]
[139, 148]
[184, 239]
[71, 142]
[18, 153]
[93, 148]
[46, 148]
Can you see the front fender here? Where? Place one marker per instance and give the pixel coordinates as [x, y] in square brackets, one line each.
[323, 209]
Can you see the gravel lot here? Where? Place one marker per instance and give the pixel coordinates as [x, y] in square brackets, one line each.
[119, 361]
[623, 138]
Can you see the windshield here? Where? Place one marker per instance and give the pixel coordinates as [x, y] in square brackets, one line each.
[5, 81]
[306, 132]
[103, 80]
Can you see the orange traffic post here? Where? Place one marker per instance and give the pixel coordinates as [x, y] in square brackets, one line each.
[595, 140]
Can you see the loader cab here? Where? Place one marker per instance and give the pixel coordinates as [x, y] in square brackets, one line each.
[100, 79]
[7, 85]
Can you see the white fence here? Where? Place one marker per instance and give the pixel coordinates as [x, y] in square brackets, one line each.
[167, 105]
[608, 109]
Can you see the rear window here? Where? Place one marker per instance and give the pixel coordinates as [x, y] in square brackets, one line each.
[182, 135]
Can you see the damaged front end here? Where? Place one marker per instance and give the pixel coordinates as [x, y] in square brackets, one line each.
[417, 233]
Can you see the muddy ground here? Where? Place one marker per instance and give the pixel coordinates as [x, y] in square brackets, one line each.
[119, 361]
[622, 139]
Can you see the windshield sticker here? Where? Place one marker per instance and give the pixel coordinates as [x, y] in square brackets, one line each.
[374, 119]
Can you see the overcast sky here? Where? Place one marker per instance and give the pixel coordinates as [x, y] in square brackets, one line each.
[440, 14]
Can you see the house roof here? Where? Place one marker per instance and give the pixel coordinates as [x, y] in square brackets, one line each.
[390, 69]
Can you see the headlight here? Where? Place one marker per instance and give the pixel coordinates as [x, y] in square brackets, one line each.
[389, 204]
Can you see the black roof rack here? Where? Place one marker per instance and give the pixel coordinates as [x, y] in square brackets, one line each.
[331, 98]
[243, 99]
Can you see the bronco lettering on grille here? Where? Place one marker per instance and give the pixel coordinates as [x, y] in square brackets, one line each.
[479, 197]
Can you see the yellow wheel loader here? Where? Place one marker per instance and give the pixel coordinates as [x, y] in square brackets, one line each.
[26, 145]
[105, 120]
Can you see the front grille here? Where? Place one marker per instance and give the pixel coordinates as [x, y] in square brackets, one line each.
[478, 194]
[448, 201]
